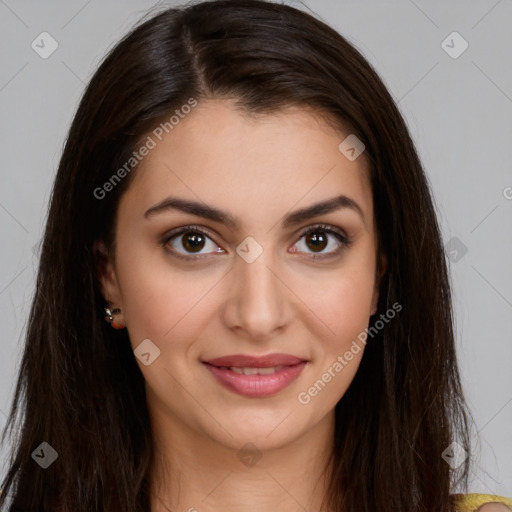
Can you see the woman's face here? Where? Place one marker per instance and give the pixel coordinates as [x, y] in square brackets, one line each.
[242, 278]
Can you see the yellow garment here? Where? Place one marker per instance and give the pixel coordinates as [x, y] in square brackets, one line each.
[471, 502]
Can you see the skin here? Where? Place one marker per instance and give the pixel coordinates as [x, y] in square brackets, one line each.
[257, 168]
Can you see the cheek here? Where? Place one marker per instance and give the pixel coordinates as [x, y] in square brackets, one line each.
[343, 305]
[348, 318]
[159, 301]
[343, 299]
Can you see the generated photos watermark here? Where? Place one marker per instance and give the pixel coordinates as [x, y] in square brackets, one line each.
[150, 143]
[304, 397]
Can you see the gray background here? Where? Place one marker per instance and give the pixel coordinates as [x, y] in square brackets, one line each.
[459, 113]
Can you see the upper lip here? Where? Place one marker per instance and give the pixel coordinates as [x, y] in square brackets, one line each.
[247, 361]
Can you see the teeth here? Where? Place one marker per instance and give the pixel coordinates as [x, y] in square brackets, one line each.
[265, 371]
[255, 371]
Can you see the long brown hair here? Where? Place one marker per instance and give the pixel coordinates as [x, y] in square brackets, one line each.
[79, 387]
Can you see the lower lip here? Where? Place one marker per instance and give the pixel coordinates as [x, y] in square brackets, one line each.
[257, 385]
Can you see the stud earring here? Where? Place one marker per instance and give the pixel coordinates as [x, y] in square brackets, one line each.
[109, 317]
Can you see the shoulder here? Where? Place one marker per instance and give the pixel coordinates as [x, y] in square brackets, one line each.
[481, 503]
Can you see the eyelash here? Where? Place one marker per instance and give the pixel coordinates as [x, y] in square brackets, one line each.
[319, 228]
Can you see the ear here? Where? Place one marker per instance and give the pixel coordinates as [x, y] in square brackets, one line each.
[106, 275]
[378, 278]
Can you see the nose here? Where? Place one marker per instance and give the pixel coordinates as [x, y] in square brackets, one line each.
[257, 305]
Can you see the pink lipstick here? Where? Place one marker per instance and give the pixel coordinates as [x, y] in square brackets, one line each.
[256, 376]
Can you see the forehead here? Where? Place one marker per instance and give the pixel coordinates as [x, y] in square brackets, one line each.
[256, 164]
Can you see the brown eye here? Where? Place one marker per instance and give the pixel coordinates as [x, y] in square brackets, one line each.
[190, 241]
[319, 238]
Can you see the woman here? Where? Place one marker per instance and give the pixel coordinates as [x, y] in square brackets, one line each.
[232, 309]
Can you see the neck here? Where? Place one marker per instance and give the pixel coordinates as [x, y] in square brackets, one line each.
[193, 473]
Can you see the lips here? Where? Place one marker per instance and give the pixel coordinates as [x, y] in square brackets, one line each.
[247, 361]
[253, 376]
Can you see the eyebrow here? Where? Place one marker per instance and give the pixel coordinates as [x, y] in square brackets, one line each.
[209, 212]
